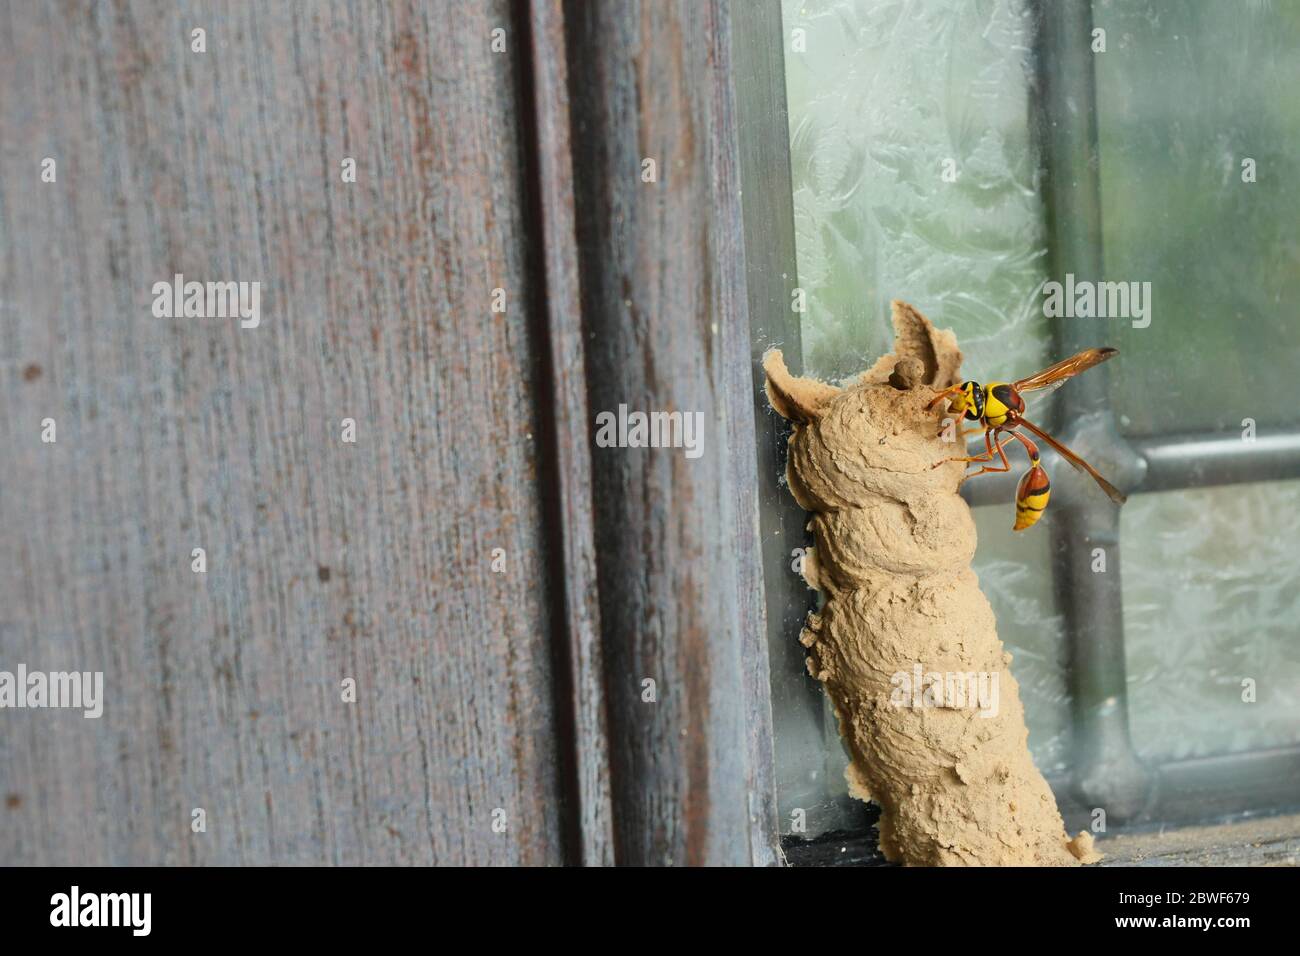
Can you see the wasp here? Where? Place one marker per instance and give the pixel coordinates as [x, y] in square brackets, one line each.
[999, 408]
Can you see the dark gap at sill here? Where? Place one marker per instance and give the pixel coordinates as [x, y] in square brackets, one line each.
[839, 847]
[1205, 791]
[1203, 849]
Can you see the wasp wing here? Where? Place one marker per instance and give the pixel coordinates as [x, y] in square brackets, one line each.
[1114, 493]
[1065, 369]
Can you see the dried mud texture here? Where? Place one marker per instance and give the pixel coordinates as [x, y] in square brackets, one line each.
[894, 543]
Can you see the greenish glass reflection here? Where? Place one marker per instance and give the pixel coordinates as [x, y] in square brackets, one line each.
[1186, 92]
[914, 178]
[885, 97]
[1210, 601]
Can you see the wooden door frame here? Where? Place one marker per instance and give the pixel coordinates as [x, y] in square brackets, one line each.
[649, 289]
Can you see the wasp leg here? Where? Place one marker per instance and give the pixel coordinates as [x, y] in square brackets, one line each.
[987, 456]
[989, 434]
[1006, 465]
[1030, 448]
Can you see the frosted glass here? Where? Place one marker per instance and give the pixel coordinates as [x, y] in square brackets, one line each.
[1211, 599]
[884, 98]
[1185, 93]
[887, 98]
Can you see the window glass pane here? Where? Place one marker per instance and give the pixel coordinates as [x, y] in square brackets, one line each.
[1197, 99]
[913, 178]
[1186, 93]
[915, 175]
[1210, 600]
[1014, 574]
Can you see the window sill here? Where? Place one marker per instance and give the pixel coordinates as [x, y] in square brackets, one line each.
[1271, 841]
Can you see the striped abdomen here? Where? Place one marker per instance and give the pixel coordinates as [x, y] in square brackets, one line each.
[1031, 496]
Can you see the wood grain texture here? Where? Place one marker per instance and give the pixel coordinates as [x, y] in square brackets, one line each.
[326, 560]
[588, 728]
[664, 305]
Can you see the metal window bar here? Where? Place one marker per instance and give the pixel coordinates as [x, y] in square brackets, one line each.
[1106, 771]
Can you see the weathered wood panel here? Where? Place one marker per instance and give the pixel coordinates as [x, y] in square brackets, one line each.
[581, 681]
[666, 314]
[326, 560]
